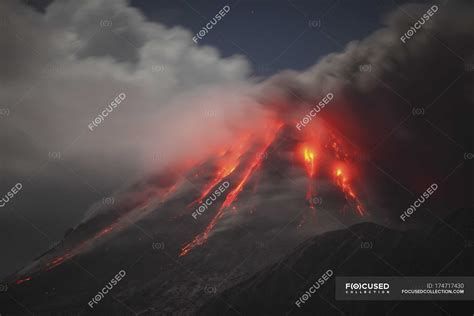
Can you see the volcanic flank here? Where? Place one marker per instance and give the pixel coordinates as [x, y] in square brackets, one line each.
[303, 169]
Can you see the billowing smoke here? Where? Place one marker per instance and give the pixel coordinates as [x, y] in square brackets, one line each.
[63, 68]
[60, 133]
[381, 70]
[415, 93]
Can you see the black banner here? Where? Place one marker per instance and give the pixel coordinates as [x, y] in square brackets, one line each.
[392, 288]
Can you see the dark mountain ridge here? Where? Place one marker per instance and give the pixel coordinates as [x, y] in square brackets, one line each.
[364, 249]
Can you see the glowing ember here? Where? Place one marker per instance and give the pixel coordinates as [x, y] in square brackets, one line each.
[320, 149]
[309, 156]
[80, 247]
[342, 182]
[20, 281]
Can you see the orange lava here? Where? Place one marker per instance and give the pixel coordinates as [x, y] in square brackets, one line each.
[309, 154]
[86, 244]
[20, 281]
[342, 181]
[80, 247]
[232, 196]
[227, 163]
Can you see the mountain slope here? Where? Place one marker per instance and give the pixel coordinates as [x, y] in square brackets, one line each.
[362, 250]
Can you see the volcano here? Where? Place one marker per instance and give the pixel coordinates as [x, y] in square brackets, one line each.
[173, 221]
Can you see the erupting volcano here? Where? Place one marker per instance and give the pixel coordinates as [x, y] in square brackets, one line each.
[317, 152]
[307, 151]
[251, 167]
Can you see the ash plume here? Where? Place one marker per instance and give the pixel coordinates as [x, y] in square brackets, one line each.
[380, 77]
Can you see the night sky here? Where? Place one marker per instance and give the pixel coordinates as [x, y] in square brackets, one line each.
[274, 35]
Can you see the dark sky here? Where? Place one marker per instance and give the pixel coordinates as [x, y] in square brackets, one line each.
[274, 34]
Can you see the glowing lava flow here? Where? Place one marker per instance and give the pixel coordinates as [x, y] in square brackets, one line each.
[343, 183]
[321, 148]
[316, 154]
[116, 226]
[80, 247]
[228, 162]
[309, 157]
[120, 223]
[20, 281]
[231, 197]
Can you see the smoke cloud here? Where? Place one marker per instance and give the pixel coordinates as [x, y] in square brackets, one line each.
[396, 100]
[64, 67]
